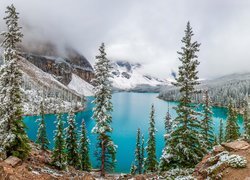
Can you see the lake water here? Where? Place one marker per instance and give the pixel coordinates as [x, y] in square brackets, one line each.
[131, 111]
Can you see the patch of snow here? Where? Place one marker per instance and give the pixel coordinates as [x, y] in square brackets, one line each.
[80, 86]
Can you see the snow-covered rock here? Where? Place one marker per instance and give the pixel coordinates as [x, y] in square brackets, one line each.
[129, 77]
[80, 86]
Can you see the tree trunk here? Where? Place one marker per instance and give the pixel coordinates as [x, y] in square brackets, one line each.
[103, 160]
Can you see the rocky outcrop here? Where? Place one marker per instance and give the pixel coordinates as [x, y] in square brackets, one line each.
[228, 161]
[61, 63]
[37, 167]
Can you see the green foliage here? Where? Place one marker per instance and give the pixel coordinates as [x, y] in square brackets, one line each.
[246, 124]
[184, 144]
[207, 122]
[105, 149]
[151, 160]
[84, 149]
[139, 153]
[42, 139]
[133, 169]
[71, 141]
[59, 155]
[221, 134]
[232, 128]
[13, 138]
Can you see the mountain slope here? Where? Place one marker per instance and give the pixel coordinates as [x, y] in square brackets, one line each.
[236, 86]
[38, 85]
[80, 86]
[128, 77]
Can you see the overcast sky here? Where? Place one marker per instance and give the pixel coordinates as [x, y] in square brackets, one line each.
[144, 31]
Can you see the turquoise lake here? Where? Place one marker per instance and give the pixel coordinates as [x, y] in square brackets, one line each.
[131, 111]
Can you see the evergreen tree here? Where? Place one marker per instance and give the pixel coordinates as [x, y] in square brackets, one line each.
[71, 141]
[246, 124]
[168, 128]
[184, 146]
[84, 149]
[42, 139]
[59, 155]
[142, 154]
[232, 128]
[151, 160]
[133, 169]
[106, 149]
[207, 122]
[168, 125]
[221, 134]
[215, 142]
[138, 154]
[13, 139]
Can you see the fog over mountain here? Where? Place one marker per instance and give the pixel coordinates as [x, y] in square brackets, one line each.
[148, 32]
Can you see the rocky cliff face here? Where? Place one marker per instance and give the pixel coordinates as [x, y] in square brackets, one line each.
[61, 64]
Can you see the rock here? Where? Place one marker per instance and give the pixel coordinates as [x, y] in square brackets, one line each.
[236, 145]
[60, 65]
[218, 149]
[13, 161]
[140, 177]
[87, 177]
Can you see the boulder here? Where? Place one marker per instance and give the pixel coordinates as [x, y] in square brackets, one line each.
[87, 177]
[140, 177]
[218, 149]
[236, 145]
[13, 161]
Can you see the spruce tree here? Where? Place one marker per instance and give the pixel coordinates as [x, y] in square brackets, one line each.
[232, 127]
[138, 154]
[84, 149]
[42, 139]
[71, 141]
[59, 155]
[163, 165]
[133, 169]
[221, 134]
[142, 154]
[106, 149]
[207, 122]
[151, 160]
[13, 139]
[184, 146]
[168, 126]
[215, 142]
[246, 124]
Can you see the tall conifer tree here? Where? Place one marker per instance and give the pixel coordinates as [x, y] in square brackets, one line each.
[71, 141]
[207, 122]
[84, 149]
[232, 127]
[184, 146]
[246, 124]
[59, 155]
[221, 132]
[138, 153]
[42, 138]
[13, 139]
[106, 149]
[151, 160]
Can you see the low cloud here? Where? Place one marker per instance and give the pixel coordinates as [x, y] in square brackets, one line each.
[148, 32]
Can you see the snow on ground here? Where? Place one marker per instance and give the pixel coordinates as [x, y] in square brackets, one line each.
[39, 84]
[80, 86]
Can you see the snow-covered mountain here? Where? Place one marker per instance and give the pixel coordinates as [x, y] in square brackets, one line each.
[129, 77]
